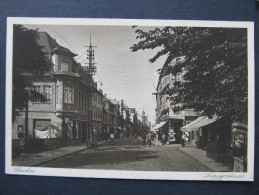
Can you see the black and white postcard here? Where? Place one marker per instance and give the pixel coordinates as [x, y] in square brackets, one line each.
[130, 99]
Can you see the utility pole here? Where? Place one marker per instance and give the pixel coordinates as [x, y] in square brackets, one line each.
[91, 70]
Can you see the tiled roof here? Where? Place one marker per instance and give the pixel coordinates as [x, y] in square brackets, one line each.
[49, 44]
[46, 41]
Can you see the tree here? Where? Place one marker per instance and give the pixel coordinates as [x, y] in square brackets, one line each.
[214, 68]
[28, 58]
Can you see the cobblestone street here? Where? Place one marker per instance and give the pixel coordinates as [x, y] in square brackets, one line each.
[129, 154]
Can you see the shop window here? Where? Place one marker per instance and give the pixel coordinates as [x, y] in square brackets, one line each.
[41, 124]
[41, 128]
[68, 94]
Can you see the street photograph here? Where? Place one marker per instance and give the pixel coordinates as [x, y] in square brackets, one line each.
[130, 99]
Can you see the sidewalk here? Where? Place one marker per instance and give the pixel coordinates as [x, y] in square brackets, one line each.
[200, 155]
[36, 159]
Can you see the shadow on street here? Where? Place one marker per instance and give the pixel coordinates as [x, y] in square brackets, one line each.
[102, 156]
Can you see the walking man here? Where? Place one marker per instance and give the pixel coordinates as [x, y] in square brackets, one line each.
[149, 138]
[144, 137]
[163, 139]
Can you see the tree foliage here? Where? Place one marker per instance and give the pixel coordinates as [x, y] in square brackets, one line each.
[28, 58]
[214, 68]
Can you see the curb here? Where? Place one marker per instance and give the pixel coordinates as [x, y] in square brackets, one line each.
[195, 159]
[202, 161]
[58, 157]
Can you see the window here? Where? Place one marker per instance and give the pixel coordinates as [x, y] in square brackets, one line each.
[68, 94]
[85, 103]
[82, 101]
[57, 94]
[178, 77]
[48, 94]
[41, 124]
[39, 90]
[41, 128]
[79, 99]
[46, 91]
[64, 66]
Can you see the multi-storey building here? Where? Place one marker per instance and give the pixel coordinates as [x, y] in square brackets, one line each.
[110, 117]
[97, 113]
[115, 108]
[64, 115]
[168, 118]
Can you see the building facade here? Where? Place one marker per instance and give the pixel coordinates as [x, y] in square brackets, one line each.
[97, 113]
[165, 112]
[63, 117]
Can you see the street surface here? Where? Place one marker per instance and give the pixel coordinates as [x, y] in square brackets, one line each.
[129, 154]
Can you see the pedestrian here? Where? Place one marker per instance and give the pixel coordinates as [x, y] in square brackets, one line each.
[183, 140]
[149, 138]
[163, 139]
[144, 137]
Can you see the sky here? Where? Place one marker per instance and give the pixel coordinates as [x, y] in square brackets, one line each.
[124, 75]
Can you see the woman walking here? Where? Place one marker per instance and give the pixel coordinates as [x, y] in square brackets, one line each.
[183, 140]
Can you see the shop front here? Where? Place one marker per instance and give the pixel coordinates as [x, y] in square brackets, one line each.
[239, 144]
[212, 135]
[196, 135]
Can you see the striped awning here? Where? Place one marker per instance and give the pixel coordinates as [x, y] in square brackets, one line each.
[198, 123]
[157, 126]
[239, 128]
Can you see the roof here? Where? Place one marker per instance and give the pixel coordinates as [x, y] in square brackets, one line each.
[49, 44]
[61, 49]
[66, 73]
[45, 40]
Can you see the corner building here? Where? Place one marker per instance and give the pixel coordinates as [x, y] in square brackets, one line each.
[64, 117]
[168, 120]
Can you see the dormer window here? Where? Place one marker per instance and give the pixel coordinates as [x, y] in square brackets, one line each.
[64, 66]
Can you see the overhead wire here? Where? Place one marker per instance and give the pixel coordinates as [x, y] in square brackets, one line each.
[62, 39]
[61, 36]
[68, 39]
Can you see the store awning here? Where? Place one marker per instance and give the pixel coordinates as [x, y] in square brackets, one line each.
[198, 123]
[239, 128]
[156, 127]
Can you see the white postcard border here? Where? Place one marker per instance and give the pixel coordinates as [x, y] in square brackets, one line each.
[153, 175]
